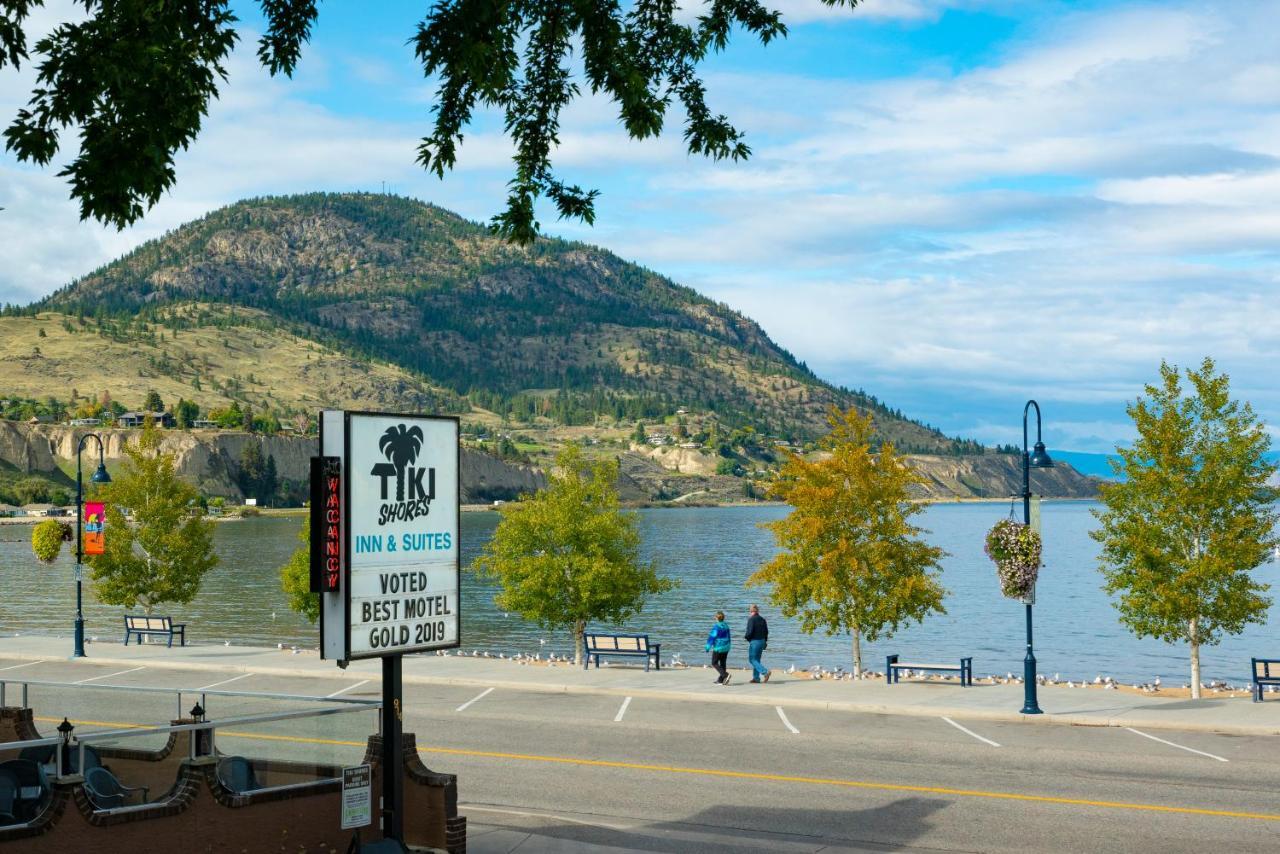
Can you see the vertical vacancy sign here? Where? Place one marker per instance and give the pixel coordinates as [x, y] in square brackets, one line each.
[402, 537]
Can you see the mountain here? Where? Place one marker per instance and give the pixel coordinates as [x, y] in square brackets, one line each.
[275, 307]
[558, 329]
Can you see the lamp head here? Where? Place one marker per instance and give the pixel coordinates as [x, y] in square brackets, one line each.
[197, 713]
[101, 476]
[1040, 457]
[65, 729]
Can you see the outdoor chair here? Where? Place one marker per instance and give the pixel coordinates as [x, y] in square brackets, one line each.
[8, 798]
[236, 774]
[105, 791]
[42, 755]
[32, 786]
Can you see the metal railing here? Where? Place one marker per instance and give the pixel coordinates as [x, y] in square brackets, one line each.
[179, 692]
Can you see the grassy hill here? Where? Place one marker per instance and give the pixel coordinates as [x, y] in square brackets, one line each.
[232, 354]
[374, 300]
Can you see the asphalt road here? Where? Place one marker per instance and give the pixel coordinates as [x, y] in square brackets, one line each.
[660, 775]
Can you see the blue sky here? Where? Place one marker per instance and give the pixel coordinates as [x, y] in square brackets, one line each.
[953, 204]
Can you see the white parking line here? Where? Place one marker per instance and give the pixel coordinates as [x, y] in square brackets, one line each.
[351, 687]
[786, 722]
[622, 711]
[473, 807]
[970, 732]
[1171, 744]
[225, 682]
[27, 664]
[486, 692]
[109, 675]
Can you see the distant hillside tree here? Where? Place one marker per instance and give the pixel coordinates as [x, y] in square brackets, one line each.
[295, 576]
[851, 560]
[153, 403]
[1192, 515]
[162, 553]
[569, 555]
[185, 413]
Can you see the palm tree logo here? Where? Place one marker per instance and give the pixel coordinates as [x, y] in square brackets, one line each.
[400, 445]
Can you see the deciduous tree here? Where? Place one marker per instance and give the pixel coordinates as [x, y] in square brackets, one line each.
[569, 555]
[134, 80]
[1192, 515]
[851, 559]
[164, 551]
[295, 576]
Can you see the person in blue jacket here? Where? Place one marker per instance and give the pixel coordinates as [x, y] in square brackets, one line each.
[718, 645]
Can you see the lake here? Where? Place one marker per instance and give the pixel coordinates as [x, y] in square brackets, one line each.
[711, 551]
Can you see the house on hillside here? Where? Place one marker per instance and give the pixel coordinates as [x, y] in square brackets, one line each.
[8, 511]
[40, 419]
[40, 510]
[136, 419]
[204, 424]
[86, 422]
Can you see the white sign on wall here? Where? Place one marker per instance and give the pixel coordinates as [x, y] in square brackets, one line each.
[402, 479]
[399, 591]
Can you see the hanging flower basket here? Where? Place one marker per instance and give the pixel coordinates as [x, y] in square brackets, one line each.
[1015, 549]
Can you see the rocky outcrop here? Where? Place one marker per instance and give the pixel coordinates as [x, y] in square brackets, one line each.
[997, 476]
[210, 458]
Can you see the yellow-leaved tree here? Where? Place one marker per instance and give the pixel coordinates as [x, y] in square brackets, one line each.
[851, 560]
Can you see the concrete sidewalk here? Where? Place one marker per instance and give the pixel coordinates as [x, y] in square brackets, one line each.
[1088, 707]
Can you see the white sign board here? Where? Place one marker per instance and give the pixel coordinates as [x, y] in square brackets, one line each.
[357, 797]
[402, 483]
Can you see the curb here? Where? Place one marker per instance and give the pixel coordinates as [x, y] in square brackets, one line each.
[880, 708]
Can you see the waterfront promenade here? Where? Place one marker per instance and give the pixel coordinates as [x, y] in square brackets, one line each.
[1062, 705]
[561, 760]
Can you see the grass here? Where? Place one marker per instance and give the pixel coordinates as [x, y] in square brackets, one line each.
[289, 374]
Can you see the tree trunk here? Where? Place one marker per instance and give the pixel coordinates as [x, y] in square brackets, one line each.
[578, 628]
[1194, 636]
[857, 652]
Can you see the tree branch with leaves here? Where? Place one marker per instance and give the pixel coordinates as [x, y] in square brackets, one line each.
[135, 80]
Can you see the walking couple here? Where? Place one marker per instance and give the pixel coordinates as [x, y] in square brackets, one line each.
[757, 638]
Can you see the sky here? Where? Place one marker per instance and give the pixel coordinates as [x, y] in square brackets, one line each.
[955, 205]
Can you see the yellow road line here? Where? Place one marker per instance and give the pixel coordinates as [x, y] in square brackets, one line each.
[752, 775]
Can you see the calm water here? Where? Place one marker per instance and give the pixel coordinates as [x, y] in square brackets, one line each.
[711, 551]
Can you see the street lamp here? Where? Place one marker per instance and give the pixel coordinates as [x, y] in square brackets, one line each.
[99, 476]
[1037, 458]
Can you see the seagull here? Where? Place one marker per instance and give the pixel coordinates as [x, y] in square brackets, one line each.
[273, 615]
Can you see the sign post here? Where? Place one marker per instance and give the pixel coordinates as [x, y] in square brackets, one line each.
[389, 572]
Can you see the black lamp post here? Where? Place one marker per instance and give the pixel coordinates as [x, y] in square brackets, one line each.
[99, 476]
[1036, 458]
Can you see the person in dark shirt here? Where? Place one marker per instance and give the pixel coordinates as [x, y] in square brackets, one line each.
[757, 638]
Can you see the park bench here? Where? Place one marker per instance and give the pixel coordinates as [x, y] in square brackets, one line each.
[634, 646]
[1266, 671]
[964, 668]
[157, 626]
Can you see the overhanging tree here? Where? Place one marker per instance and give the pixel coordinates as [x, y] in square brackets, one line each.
[569, 555]
[164, 551]
[135, 79]
[1192, 515]
[851, 560]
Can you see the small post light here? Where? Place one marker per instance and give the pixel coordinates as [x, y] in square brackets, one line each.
[199, 738]
[65, 729]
